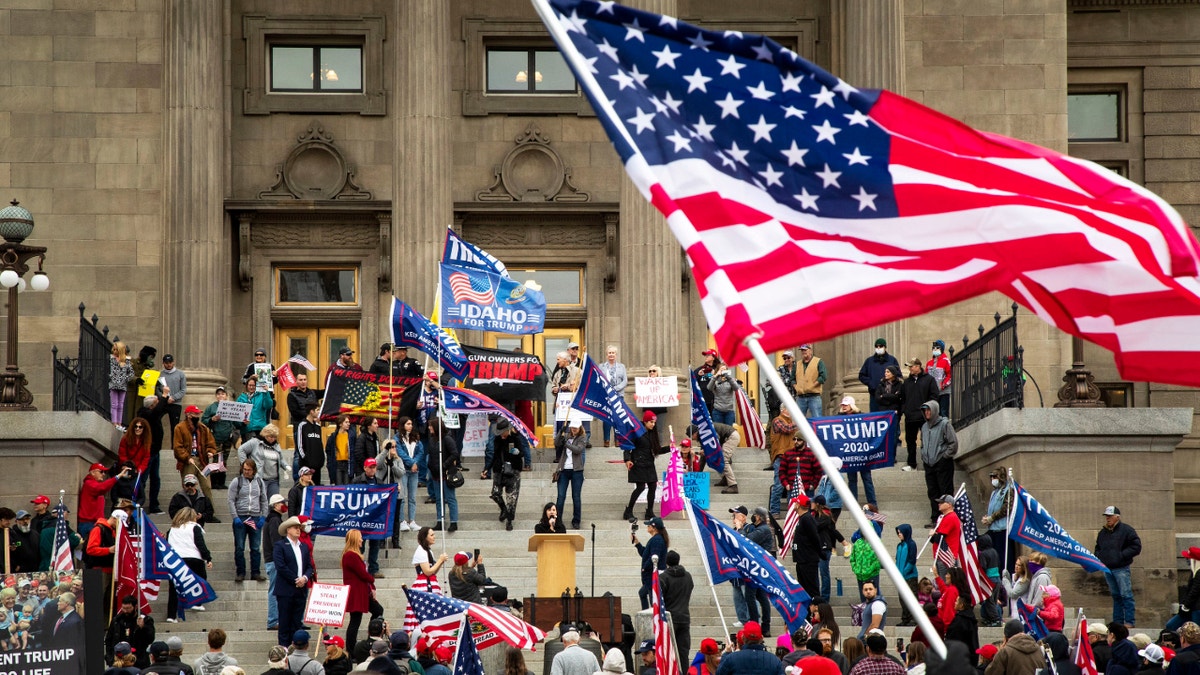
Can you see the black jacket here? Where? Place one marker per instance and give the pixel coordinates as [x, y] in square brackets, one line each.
[124, 628]
[806, 544]
[312, 447]
[915, 391]
[965, 628]
[677, 586]
[1117, 548]
[199, 503]
[645, 448]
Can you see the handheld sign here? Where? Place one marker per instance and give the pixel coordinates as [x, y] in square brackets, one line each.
[656, 392]
[232, 411]
[326, 604]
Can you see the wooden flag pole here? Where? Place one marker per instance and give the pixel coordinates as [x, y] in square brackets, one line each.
[831, 472]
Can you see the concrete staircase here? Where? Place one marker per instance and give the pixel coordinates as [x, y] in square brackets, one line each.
[241, 608]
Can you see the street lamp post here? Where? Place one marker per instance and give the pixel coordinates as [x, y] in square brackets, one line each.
[16, 223]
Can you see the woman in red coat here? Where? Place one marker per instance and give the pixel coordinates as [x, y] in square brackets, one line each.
[361, 583]
[135, 449]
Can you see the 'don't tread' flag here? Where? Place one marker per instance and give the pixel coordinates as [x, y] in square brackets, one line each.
[809, 207]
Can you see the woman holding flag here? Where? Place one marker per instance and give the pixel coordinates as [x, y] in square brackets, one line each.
[187, 538]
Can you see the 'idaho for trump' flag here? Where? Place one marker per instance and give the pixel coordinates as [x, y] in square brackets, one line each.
[810, 207]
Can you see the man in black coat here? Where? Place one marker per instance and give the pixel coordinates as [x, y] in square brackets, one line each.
[806, 550]
[676, 585]
[129, 626]
[918, 388]
[191, 496]
[1117, 544]
[152, 410]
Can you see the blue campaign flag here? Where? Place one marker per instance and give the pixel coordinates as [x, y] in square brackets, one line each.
[729, 556]
[705, 429]
[1033, 526]
[1033, 623]
[162, 562]
[337, 509]
[595, 397]
[865, 441]
[478, 293]
[411, 329]
[467, 401]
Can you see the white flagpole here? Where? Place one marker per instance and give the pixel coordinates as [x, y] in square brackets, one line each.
[831, 472]
[704, 558]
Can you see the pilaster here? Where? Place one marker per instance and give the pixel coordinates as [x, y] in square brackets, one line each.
[422, 205]
[194, 300]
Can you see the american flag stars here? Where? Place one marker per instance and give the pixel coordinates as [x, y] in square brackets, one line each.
[780, 123]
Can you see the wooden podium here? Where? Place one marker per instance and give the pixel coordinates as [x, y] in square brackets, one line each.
[555, 562]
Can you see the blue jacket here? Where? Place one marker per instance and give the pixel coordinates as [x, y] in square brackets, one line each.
[753, 659]
[655, 547]
[285, 568]
[906, 552]
[871, 373]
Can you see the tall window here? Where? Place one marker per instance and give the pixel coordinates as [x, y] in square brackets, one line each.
[1104, 119]
[299, 68]
[528, 71]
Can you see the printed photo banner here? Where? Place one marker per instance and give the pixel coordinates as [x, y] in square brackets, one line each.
[363, 396]
[337, 509]
[505, 376]
[477, 292]
[866, 441]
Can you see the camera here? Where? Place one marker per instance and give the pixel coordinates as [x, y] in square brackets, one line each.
[633, 526]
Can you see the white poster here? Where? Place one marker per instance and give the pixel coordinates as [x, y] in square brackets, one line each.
[656, 392]
[475, 436]
[265, 376]
[232, 411]
[327, 604]
[562, 405]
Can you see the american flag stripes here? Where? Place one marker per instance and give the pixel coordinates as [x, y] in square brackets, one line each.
[471, 289]
[61, 560]
[790, 521]
[665, 655]
[756, 436]
[809, 207]
[466, 654]
[440, 617]
[981, 587]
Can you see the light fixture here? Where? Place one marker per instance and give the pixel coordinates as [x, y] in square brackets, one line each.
[40, 281]
[21, 285]
[9, 278]
[523, 77]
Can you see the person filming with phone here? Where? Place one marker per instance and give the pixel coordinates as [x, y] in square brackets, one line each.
[656, 546]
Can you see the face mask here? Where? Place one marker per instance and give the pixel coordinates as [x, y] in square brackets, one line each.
[996, 482]
[879, 351]
[937, 352]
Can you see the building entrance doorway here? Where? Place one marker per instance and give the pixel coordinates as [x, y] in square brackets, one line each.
[545, 344]
[318, 344]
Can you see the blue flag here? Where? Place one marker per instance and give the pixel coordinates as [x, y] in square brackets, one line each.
[162, 562]
[1033, 526]
[478, 293]
[705, 429]
[595, 397]
[467, 401]
[466, 656]
[731, 556]
[1033, 623]
[337, 509]
[411, 329]
[865, 441]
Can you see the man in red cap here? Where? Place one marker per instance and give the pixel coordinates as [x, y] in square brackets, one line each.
[194, 448]
[42, 518]
[753, 657]
[91, 498]
[1189, 609]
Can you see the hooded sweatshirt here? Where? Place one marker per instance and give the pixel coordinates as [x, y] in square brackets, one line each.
[614, 662]
[677, 593]
[1061, 650]
[1124, 660]
[1019, 655]
[938, 441]
[906, 552]
[211, 663]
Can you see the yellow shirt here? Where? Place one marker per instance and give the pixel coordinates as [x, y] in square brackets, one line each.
[343, 446]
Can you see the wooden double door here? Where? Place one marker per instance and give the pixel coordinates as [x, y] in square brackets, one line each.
[320, 345]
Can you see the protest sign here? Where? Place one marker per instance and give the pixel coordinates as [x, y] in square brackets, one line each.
[656, 392]
[337, 509]
[326, 604]
[475, 436]
[696, 488]
[264, 375]
[232, 411]
[866, 441]
[562, 405]
[149, 379]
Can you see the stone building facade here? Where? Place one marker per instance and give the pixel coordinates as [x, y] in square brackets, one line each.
[199, 205]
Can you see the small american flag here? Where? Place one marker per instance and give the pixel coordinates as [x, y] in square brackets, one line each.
[981, 587]
[794, 513]
[664, 651]
[756, 436]
[476, 289]
[61, 560]
[440, 617]
[303, 361]
[466, 655]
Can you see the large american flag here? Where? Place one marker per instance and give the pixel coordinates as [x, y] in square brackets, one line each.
[60, 559]
[981, 587]
[809, 207]
[756, 436]
[441, 617]
[664, 648]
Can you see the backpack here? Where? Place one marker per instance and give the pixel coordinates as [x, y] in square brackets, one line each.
[403, 665]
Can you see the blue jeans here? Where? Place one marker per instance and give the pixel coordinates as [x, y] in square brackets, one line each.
[1179, 619]
[745, 603]
[1120, 585]
[272, 606]
[810, 405]
[240, 534]
[575, 480]
[868, 485]
[823, 572]
[450, 500]
[607, 432]
[410, 489]
[776, 488]
[373, 546]
[273, 489]
[724, 417]
[296, 463]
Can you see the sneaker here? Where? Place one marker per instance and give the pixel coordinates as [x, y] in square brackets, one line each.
[155, 512]
[909, 468]
[200, 608]
[274, 627]
[737, 624]
[120, 428]
[768, 468]
[413, 526]
[379, 575]
[404, 526]
[174, 620]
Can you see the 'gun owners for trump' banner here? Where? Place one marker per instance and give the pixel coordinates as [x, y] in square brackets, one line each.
[866, 441]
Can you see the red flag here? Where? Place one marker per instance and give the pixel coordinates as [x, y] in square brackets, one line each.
[1084, 658]
[126, 569]
[809, 207]
[285, 376]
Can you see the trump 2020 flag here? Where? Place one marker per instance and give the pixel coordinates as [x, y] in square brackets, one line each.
[728, 555]
[809, 207]
[478, 293]
[162, 562]
[1033, 623]
[467, 401]
[410, 328]
[1033, 526]
[595, 397]
[705, 430]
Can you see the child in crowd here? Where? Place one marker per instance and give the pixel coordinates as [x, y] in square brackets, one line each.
[925, 591]
[1052, 610]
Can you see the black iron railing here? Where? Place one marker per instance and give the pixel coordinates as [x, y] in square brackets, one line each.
[81, 383]
[988, 374]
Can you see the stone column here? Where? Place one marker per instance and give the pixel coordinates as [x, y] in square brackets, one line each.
[194, 300]
[654, 308]
[870, 55]
[422, 205]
